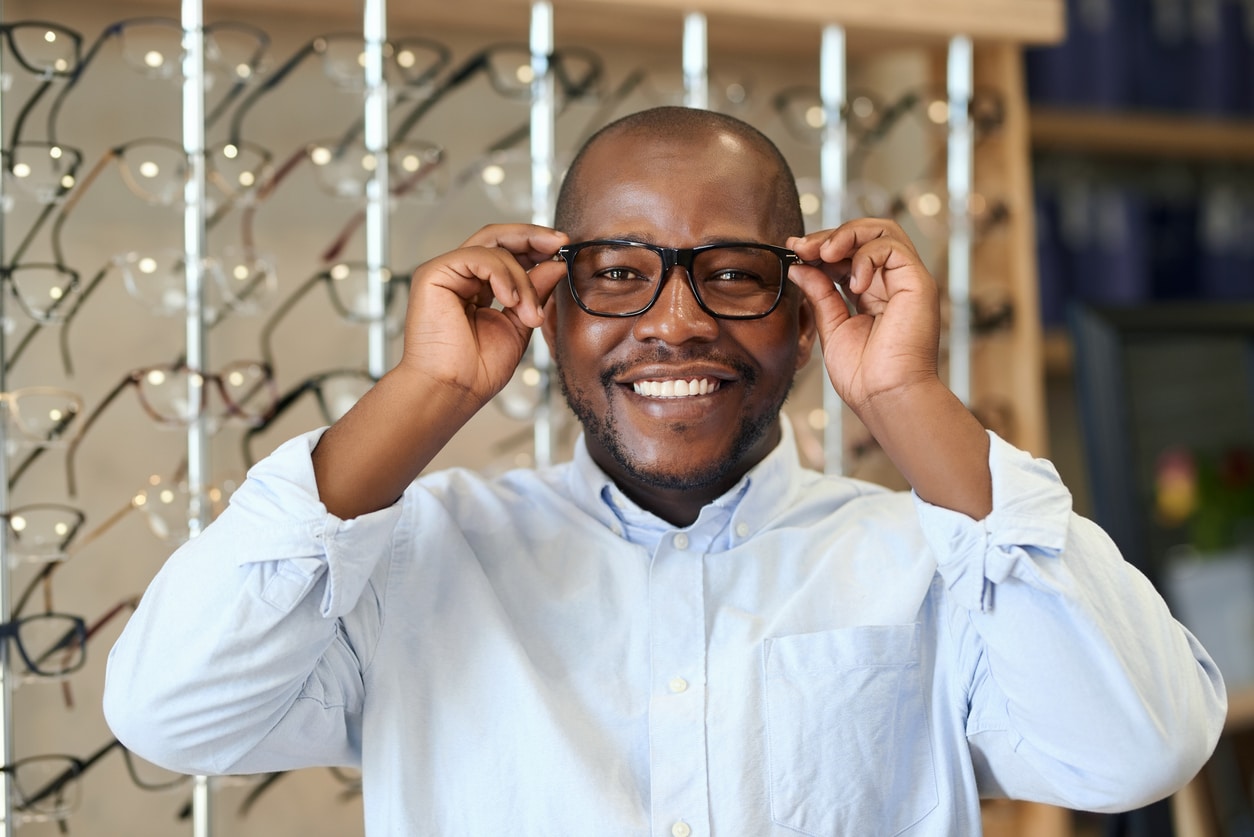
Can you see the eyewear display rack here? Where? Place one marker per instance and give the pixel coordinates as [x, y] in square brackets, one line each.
[970, 36]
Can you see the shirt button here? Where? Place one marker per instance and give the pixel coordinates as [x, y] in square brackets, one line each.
[681, 542]
[742, 530]
[681, 829]
[677, 685]
[616, 529]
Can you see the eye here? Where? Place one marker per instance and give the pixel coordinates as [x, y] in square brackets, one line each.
[620, 274]
[733, 275]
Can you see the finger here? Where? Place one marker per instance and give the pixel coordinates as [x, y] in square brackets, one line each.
[887, 259]
[830, 308]
[530, 244]
[482, 275]
[842, 242]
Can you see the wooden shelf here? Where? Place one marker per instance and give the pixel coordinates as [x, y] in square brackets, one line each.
[748, 25]
[1159, 136]
[1240, 710]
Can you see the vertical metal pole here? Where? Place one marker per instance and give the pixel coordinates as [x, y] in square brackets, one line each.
[696, 61]
[194, 253]
[833, 177]
[378, 186]
[960, 175]
[6, 678]
[543, 140]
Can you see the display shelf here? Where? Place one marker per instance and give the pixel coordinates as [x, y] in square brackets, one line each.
[789, 28]
[1146, 135]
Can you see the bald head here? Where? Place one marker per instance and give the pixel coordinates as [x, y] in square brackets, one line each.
[677, 129]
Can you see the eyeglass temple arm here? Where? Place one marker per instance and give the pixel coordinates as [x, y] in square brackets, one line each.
[333, 250]
[19, 121]
[70, 482]
[38, 452]
[469, 67]
[247, 222]
[275, 79]
[280, 311]
[67, 362]
[280, 407]
[54, 110]
[241, 82]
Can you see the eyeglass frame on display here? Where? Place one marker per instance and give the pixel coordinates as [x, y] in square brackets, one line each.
[135, 377]
[314, 384]
[118, 28]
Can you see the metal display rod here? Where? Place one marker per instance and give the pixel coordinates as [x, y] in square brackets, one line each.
[194, 236]
[960, 178]
[543, 142]
[6, 649]
[833, 178]
[374, 30]
[696, 61]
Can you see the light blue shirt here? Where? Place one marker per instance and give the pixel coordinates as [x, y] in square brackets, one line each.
[535, 655]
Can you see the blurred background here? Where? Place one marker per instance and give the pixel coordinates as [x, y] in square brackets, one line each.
[1111, 310]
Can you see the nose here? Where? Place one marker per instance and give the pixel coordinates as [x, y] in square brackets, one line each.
[676, 317]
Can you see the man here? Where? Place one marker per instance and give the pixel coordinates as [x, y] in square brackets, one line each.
[681, 632]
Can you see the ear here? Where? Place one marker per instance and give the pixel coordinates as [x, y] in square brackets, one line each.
[807, 331]
[548, 326]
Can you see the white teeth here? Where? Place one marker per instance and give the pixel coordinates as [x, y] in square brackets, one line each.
[671, 388]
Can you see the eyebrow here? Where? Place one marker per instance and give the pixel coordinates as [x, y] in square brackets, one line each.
[648, 239]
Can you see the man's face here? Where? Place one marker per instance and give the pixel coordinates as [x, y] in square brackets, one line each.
[619, 375]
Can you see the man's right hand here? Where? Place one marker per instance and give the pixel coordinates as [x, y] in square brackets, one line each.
[460, 350]
[454, 336]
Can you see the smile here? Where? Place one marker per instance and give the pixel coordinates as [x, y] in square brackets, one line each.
[676, 388]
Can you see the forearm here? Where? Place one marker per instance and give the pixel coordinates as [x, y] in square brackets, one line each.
[1092, 679]
[937, 445]
[1083, 690]
[364, 461]
[253, 634]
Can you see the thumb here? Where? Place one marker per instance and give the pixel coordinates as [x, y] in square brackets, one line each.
[830, 308]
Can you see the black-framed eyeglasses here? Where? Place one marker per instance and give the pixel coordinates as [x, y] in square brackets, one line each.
[731, 281]
[335, 392]
[48, 50]
[50, 787]
[348, 285]
[50, 644]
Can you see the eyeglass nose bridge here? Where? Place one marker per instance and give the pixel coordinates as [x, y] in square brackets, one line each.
[673, 257]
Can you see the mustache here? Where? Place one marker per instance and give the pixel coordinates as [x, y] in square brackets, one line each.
[669, 355]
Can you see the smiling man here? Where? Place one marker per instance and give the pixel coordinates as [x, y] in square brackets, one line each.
[682, 631]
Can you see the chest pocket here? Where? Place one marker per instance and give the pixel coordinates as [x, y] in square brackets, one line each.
[848, 742]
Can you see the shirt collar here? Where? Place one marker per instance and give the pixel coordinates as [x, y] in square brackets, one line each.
[747, 507]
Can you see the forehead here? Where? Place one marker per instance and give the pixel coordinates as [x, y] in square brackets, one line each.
[676, 191]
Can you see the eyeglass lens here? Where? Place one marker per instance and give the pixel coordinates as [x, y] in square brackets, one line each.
[44, 171]
[43, 289]
[33, 776]
[41, 413]
[51, 644]
[43, 49]
[732, 281]
[40, 532]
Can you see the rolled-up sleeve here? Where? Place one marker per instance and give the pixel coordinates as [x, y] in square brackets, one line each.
[1082, 688]
[246, 651]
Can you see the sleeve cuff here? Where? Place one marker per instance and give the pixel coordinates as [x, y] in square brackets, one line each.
[1029, 523]
[286, 523]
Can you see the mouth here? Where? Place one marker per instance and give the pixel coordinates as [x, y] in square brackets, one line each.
[676, 387]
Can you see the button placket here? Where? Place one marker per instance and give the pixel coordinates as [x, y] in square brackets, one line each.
[677, 729]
